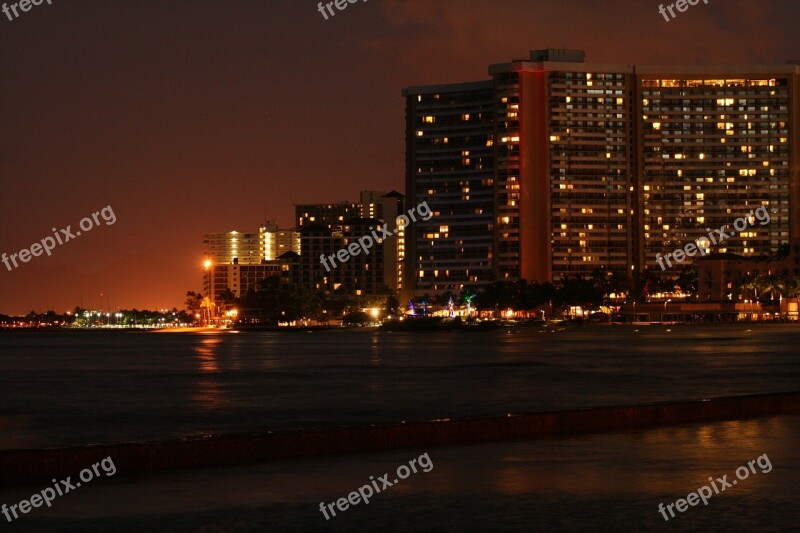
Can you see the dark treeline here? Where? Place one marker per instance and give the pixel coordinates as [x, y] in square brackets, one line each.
[89, 317]
[278, 300]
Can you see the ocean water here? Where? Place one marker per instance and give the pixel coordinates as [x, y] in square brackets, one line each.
[61, 389]
[605, 482]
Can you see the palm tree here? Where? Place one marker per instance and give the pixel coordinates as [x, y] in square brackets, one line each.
[208, 305]
[746, 284]
[193, 302]
[780, 285]
[687, 280]
[766, 284]
[228, 298]
[792, 288]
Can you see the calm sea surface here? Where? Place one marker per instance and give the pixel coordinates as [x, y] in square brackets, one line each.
[71, 388]
[611, 482]
[77, 388]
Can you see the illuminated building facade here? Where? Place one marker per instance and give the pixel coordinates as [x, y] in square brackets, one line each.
[276, 242]
[362, 274]
[247, 248]
[564, 167]
[233, 246]
[378, 205]
[329, 215]
[449, 165]
[317, 240]
[240, 260]
[387, 208]
[599, 167]
[714, 145]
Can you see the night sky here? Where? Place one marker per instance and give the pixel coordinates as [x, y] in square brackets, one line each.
[190, 116]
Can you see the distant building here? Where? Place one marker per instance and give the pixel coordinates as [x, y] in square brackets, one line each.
[240, 260]
[363, 274]
[386, 209]
[249, 248]
[230, 247]
[276, 242]
[239, 279]
[323, 229]
[381, 207]
[330, 215]
[317, 240]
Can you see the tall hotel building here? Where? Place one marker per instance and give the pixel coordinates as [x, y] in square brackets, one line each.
[601, 166]
[449, 164]
[712, 146]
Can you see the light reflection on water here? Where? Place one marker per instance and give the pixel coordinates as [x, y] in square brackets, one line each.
[206, 354]
[63, 389]
[606, 482]
[209, 391]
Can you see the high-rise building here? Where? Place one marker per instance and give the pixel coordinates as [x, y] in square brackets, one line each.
[714, 144]
[449, 165]
[317, 240]
[564, 169]
[362, 274]
[330, 215]
[244, 248]
[249, 248]
[386, 209]
[370, 204]
[602, 166]
[381, 206]
[276, 242]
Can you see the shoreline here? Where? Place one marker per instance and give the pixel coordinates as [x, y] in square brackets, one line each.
[555, 326]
